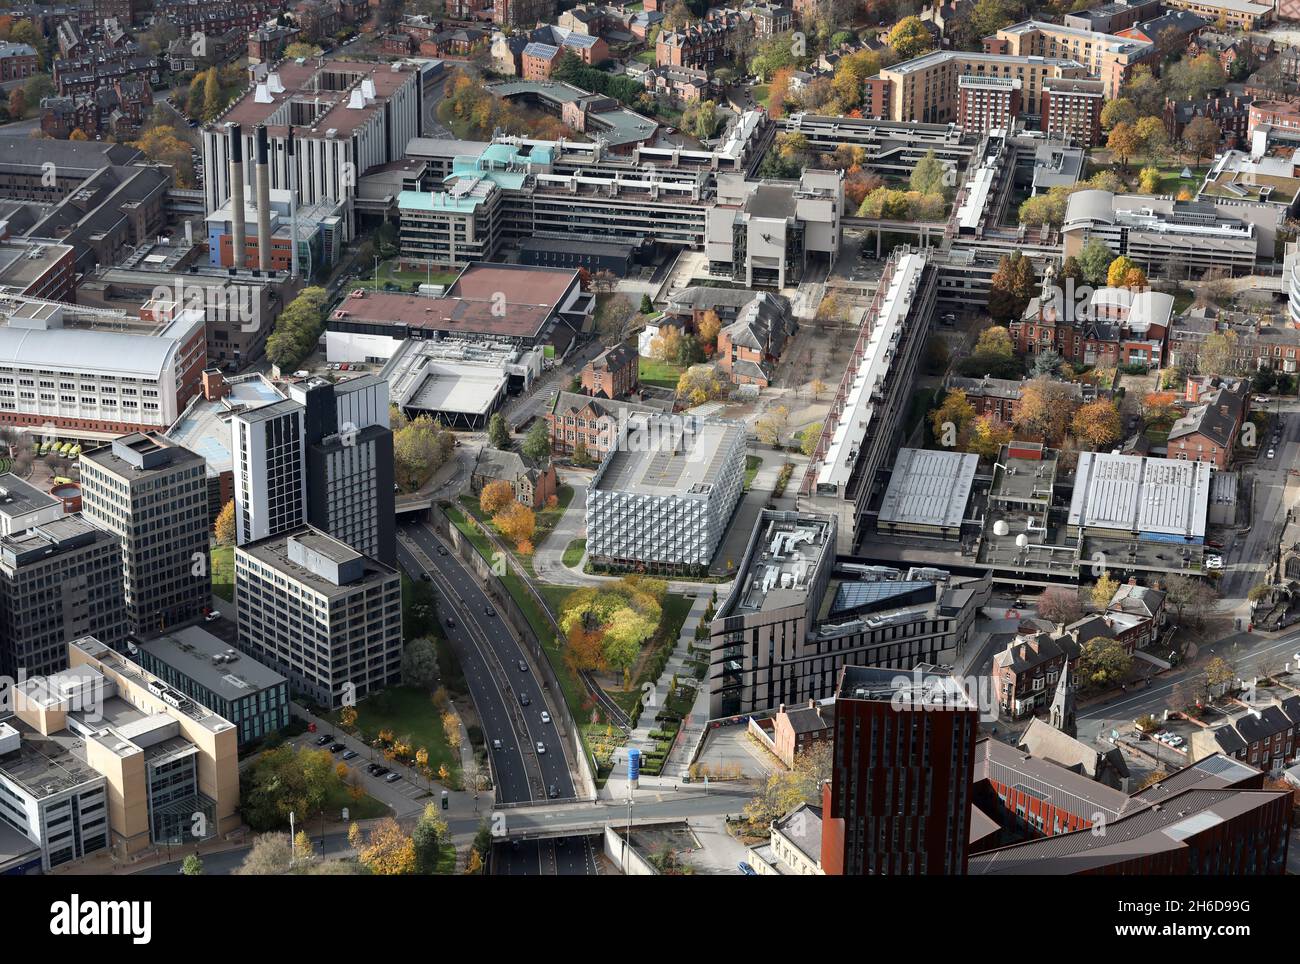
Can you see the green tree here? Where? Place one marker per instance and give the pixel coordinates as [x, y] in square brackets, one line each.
[212, 99]
[498, 434]
[428, 836]
[809, 437]
[1094, 261]
[1103, 590]
[1118, 111]
[420, 664]
[929, 175]
[537, 443]
[192, 866]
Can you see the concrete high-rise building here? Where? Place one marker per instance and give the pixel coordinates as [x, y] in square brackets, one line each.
[321, 613]
[323, 457]
[58, 581]
[899, 798]
[153, 494]
[269, 477]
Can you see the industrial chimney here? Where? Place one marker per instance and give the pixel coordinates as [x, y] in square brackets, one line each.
[263, 200]
[237, 239]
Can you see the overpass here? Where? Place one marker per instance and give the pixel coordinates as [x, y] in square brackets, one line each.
[405, 504]
[927, 233]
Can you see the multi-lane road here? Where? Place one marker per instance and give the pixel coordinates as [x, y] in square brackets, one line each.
[509, 701]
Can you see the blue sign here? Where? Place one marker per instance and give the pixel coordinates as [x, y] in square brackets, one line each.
[633, 763]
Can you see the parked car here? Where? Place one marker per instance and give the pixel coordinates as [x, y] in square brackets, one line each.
[325, 739]
[382, 771]
[350, 754]
[747, 870]
[1272, 452]
[212, 617]
[1214, 562]
[392, 778]
[338, 747]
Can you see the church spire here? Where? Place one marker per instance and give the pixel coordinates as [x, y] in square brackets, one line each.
[1062, 713]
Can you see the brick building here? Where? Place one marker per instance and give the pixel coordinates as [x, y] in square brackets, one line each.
[1071, 109]
[987, 103]
[613, 373]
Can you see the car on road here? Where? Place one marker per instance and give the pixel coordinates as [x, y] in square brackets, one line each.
[496, 744]
[451, 623]
[552, 791]
[541, 748]
[523, 667]
[489, 611]
[349, 754]
[426, 577]
[1214, 562]
[523, 699]
[1272, 452]
[546, 717]
[212, 616]
[325, 739]
[442, 550]
[338, 747]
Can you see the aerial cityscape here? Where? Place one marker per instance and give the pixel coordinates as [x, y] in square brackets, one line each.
[640, 437]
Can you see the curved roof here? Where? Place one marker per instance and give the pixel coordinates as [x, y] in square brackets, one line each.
[1090, 205]
[72, 349]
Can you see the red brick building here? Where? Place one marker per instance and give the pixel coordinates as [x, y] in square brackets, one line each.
[899, 798]
[987, 103]
[800, 728]
[1209, 430]
[593, 422]
[704, 45]
[613, 373]
[1026, 671]
[1071, 108]
[17, 61]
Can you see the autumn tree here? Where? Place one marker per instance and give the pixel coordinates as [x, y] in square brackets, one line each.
[1103, 590]
[1103, 662]
[1011, 288]
[951, 422]
[988, 436]
[496, 495]
[1218, 354]
[1116, 112]
[809, 437]
[1097, 424]
[1124, 272]
[1124, 142]
[772, 426]
[224, 528]
[1218, 673]
[708, 327]
[17, 104]
[516, 522]
[388, 851]
[1046, 409]
[1059, 605]
[1201, 137]
[910, 38]
[212, 101]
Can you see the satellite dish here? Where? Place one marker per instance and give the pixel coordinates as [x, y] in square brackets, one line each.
[1000, 528]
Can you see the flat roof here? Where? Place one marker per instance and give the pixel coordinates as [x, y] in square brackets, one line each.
[878, 354]
[929, 488]
[1141, 495]
[204, 428]
[662, 469]
[274, 552]
[197, 654]
[788, 548]
[18, 497]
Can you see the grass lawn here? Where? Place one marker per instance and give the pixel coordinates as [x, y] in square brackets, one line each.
[752, 462]
[660, 374]
[446, 859]
[388, 271]
[1183, 299]
[364, 809]
[409, 712]
[223, 572]
[546, 521]
[1172, 181]
[573, 552]
[761, 93]
[646, 57]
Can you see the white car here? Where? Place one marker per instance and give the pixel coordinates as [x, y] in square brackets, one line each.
[1214, 562]
[546, 717]
[541, 748]
[1174, 740]
[1272, 452]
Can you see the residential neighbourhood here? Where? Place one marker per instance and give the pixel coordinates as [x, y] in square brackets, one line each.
[522, 438]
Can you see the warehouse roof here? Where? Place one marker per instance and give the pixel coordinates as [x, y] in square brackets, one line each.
[1141, 495]
[928, 488]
